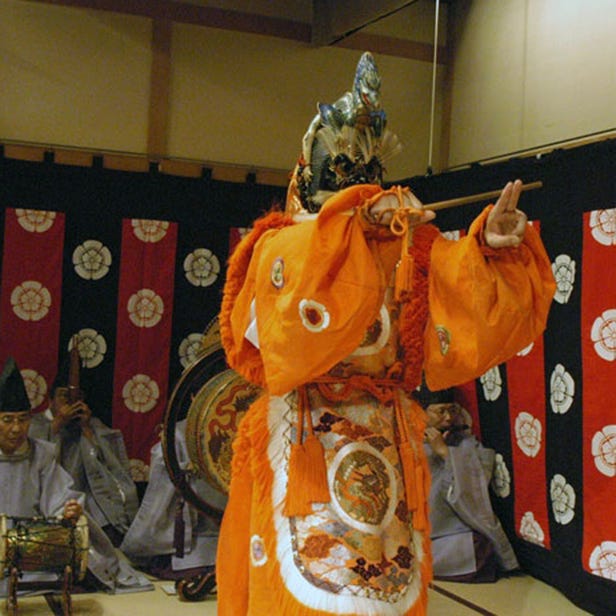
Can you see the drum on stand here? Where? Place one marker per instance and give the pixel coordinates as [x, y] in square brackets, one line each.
[44, 545]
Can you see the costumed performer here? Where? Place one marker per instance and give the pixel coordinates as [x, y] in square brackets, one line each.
[335, 307]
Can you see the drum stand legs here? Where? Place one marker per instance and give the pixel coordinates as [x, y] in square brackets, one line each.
[67, 603]
[11, 598]
[65, 586]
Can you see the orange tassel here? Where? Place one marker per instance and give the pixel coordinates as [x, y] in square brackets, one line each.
[307, 477]
[404, 276]
[316, 471]
[296, 502]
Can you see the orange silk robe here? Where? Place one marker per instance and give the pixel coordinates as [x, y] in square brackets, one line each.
[309, 314]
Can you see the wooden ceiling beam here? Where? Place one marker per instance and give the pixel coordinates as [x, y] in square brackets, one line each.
[210, 17]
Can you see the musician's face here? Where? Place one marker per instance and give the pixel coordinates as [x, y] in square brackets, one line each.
[59, 399]
[440, 416]
[61, 396]
[14, 430]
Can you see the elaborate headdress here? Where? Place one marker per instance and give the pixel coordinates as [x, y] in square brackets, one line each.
[13, 396]
[346, 143]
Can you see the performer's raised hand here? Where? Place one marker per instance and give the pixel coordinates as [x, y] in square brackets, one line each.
[506, 224]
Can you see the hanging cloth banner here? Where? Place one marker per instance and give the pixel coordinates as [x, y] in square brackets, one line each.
[526, 388]
[527, 419]
[598, 325]
[143, 333]
[31, 296]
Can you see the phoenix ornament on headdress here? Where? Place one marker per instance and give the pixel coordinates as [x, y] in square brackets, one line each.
[346, 143]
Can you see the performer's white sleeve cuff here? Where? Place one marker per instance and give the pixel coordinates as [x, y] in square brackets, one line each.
[251, 334]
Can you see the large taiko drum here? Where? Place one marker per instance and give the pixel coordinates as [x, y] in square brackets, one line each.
[213, 399]
[44, 544]
[212, 422]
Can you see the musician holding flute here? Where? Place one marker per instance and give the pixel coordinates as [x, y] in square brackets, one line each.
[91, 452]
[468, 541]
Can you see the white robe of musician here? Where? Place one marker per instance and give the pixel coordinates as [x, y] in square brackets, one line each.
[33, 484]
[153, 529]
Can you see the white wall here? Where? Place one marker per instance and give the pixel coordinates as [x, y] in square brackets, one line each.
[529, 73]
[73, 77]
[81, 78]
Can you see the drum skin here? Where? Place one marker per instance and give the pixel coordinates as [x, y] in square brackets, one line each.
[44, 544]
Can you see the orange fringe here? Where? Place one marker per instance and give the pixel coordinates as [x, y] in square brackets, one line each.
[307, 469]
[246, 359]
[414, 307]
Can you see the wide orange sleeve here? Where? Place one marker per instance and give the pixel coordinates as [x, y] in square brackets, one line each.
[485, 305]
[314, 288]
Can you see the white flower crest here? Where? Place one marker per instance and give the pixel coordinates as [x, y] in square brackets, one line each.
[189, 348]
[314, 316]
[492, 384]
[145, 308]
[530, 529]
[602, 560]
[370, 345]
[603, 226]
[604, 450]
[91, 260]
[201, 267]
[603, 335]
[258, 553]
[526, 350]
[562, 496]
[501, 479]
[149, 230]
[91, 345]
[35, 221]
[31, 300]
[563, 269]
[528, 433]
[140, 393]
[139, 470]
[562, 390]
[36, 386]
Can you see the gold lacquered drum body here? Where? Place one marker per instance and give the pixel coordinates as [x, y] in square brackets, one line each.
[212, 423]
[38, 544]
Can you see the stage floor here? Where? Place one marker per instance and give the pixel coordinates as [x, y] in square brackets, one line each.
[520, 595]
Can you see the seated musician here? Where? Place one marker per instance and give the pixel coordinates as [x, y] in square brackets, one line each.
[93, 454]
[151, 541]
[468, 541]
[33, 484]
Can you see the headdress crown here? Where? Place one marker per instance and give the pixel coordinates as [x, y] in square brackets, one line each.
[346, 143]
